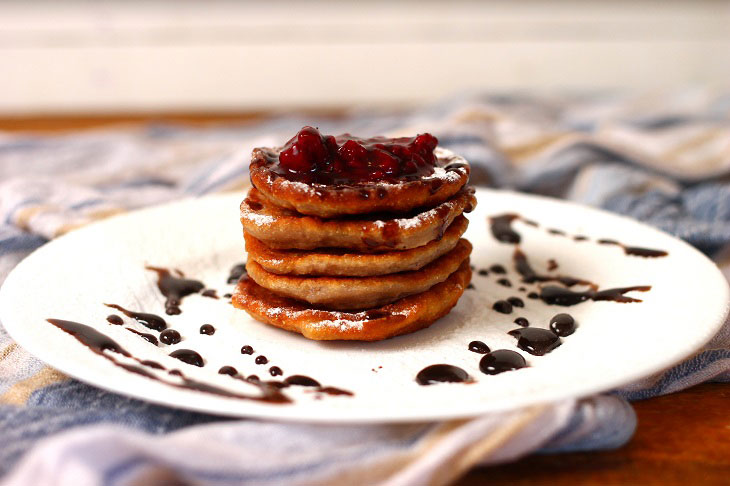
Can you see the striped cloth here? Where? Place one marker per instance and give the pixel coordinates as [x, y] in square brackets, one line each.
[660, 158]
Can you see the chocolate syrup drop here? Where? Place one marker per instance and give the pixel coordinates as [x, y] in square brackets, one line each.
[114, 319]
[442, 373]
[207, 329]
[470, 286]
[275, 371]
[535, 340]
[301, 380]
[261, 360]
[497, 268]
[504, 282]
[562, 324]
[501, 227]
[188, 356]
[228, 370]
[227, 296]
[238, 271]
[483, 272]
[170, 336]
[516, 302]
[478, 347]
[175, 288]
[247, 349]
[521, 321]
[502, 306]
[556, 232]
[147, 337]
[500, 361]
[580, 238]
[552, 265]
[553, 295]
[533, 295]
[212, 293]
[151, 321]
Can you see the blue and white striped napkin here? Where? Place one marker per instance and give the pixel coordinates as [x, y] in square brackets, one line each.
[659, 158]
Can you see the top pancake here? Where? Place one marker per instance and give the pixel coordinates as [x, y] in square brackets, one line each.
[328, 201]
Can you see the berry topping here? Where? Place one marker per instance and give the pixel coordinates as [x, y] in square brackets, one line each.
[346, 159]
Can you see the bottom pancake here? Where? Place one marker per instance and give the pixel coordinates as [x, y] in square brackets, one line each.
[403, 316]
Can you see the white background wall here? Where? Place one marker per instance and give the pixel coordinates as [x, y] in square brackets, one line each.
[119, 56]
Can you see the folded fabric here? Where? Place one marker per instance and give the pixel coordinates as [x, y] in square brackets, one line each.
[658, 158]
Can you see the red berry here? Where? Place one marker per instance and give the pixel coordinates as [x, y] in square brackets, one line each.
[353, 159]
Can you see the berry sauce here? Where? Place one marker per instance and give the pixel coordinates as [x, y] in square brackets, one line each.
[325, 159]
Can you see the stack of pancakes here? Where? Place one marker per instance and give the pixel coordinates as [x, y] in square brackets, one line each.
[358, 262]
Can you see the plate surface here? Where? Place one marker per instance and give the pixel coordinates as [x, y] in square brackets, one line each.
[615, 343]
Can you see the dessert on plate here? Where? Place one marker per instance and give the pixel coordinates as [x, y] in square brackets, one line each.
[352, 238]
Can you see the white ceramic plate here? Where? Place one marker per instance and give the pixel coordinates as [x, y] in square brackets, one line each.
[615, 343]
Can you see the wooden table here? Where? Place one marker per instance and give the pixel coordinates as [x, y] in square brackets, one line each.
[682, 439]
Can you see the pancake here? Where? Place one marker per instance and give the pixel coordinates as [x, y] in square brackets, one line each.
[347, 293]
[404, 316]
[281, 228]
[343, 263]
[332, 200]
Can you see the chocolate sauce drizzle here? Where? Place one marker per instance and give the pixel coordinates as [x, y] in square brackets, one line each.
[442, 373]
[99, 342]
[207, 329]
[188, 356]
[500, 361]
[150, 321]
[635, 250]
[529, 275]
[501, 227]
[562, 324]
[554, 295]
[170, 336]
[535, 340]
[146, 336]
[175, 288]
[212, 293]
[237, 271]
[478, 347]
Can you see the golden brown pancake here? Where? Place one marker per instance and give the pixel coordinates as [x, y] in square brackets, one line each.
[345, 263]
[327, 201]
[347, 293]
[281, 228]
[401, 317]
